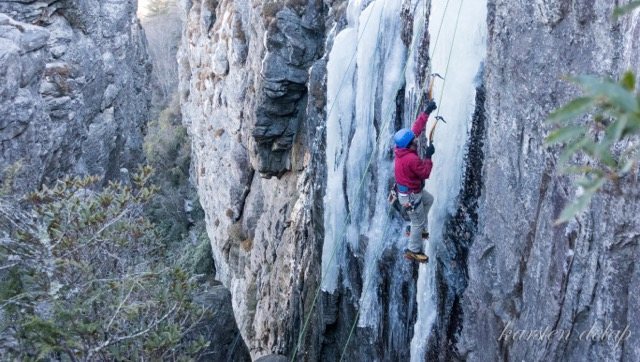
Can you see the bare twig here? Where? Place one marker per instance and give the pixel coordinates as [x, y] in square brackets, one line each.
[110, 342]
[120, 306]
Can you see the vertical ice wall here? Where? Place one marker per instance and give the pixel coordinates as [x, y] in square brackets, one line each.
[367, 67]
[364, 75]
[458, 46]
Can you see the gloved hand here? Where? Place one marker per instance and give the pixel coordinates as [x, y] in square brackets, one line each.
[430, 107]
[430, 150]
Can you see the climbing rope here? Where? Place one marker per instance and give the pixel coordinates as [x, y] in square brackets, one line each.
[435, 45]
[453, 40]
[352, 329]
[355, 321]
[365, 172]
[317, 293]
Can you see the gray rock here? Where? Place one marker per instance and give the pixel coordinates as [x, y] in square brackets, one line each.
[273, 358]
[109, 96]
[33, 39]
[291, 47]
[221, 329]
[12, 68]
[75, 88]
[244, 122]
[32, 65]
[220, 65]
[525, 273]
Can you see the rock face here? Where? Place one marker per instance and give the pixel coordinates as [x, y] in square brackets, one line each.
[225, 342]
[253, 96]
[293, 42]
[75, 88]
[244, 70]
[524, 273]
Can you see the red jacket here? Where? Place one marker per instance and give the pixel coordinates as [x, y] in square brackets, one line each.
[410, 170]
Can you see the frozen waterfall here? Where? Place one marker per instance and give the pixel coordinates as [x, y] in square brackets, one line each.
[368, 65]
[460, 30]
[364, 76]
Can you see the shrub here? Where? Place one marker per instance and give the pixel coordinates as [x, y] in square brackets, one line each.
[86, 277]
[616, 118]
[167, 149]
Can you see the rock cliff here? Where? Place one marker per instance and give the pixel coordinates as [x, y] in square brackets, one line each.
[249, 103]
[75, 88]
[253, 93]
[524, 273]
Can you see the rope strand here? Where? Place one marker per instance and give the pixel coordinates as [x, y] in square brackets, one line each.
[453, 40]
[360, 186]
[352, 329]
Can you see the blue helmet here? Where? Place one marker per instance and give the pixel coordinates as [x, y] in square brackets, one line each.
[403, 138]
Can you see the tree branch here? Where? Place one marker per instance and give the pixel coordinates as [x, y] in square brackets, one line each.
[100, 231]
[120, 307]
[110, 342]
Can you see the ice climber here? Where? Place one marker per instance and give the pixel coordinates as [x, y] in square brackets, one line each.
[411, 171]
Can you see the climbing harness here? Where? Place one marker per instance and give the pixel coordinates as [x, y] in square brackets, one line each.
[412, 204]
[365, 172]
[438, 118]
[401, 190]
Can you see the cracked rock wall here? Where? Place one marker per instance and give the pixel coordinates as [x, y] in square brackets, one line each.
[525, 273]
[244, 68]
[252, 92]
[75, 88]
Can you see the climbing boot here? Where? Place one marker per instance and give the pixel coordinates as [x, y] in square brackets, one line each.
[420, 257]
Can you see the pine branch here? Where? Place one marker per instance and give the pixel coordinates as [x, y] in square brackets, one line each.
[120, 307]
[110, 342]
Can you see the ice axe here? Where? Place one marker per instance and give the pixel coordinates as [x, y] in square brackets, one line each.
[433, 130]
[432, 78]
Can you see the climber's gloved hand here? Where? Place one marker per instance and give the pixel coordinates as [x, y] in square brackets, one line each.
[430, 107]
[430, 150]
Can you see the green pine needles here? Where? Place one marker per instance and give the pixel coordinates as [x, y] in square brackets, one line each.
[619, 11]
[609, 139]
[86, 276]
[606, 140]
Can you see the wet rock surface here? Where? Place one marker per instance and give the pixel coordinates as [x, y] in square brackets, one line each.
[75, 94]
